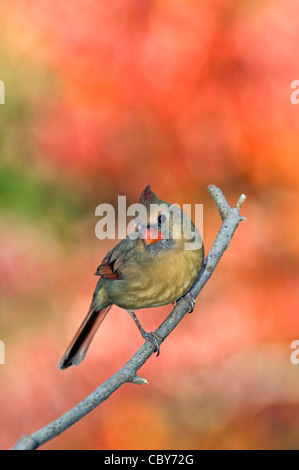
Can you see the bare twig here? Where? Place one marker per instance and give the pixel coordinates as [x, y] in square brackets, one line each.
[128, 373]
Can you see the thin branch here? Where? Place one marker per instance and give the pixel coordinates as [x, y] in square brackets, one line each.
[128, 373]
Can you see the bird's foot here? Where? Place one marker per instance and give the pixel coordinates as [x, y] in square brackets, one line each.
[191, 301]
[154, 339]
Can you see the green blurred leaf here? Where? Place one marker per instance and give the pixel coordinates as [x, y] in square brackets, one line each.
[29, 197]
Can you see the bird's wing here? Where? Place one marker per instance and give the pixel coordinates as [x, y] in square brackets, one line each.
[112, 266]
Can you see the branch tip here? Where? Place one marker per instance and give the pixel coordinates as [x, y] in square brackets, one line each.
[220, 201]
[26, 443]
[138, 380]
[241, 201]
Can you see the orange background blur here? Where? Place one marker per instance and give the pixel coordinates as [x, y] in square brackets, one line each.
[103, 98]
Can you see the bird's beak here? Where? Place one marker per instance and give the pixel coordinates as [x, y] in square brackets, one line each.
[151, 236]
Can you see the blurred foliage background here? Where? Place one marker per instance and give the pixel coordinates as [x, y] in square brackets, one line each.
[103, 98]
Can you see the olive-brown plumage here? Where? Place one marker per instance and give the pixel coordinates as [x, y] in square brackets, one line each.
[155, 267]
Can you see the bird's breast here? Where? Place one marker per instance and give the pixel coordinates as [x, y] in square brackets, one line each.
[155, 281]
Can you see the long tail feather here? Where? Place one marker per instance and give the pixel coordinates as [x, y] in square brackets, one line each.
[77, 348]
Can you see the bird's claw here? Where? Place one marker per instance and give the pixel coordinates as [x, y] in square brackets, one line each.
[154, 339]
[191, 301]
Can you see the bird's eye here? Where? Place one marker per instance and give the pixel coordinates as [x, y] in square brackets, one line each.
[161, 219]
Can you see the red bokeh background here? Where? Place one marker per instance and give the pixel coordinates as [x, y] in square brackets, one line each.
[103, 98]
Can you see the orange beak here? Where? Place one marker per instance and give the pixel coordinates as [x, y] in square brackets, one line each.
[151, 236]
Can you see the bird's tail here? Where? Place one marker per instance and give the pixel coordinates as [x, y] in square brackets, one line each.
[77, 348]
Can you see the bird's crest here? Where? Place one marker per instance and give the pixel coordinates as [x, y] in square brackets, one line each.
[148, 197]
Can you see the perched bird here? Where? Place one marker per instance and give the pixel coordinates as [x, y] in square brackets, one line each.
[155, 265]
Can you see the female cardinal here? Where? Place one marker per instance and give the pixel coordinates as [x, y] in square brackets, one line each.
[154, 266]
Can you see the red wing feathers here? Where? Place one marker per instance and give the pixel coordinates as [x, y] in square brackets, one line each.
[110, 268]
